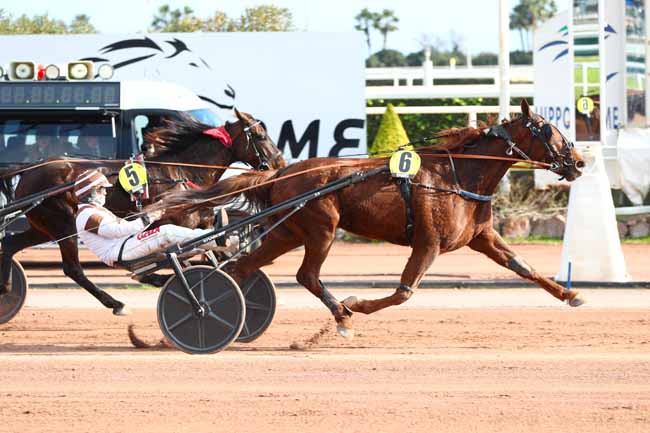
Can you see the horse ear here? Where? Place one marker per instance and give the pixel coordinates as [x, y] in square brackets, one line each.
[525, 109]
[238, 114]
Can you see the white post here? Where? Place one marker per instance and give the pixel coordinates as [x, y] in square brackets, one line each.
[591, 241]
[428, 68]
[471, 118]
[469, 56]
[646, 38]
[504, 60]
[504, 75]
[603, 72]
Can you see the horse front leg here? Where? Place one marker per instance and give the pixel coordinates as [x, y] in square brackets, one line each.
[72, 269]
[422, 256]
[12, 245]
[490, 243]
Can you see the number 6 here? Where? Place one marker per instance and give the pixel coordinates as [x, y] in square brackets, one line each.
[405, 162]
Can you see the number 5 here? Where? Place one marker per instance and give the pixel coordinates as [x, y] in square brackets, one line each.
[134, 179]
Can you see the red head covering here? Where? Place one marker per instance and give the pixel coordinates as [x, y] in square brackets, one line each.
[220, 134]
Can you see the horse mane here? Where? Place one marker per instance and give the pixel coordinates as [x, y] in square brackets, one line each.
[175, 136]
[456, 138]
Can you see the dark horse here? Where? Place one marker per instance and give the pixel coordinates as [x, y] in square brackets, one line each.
[443, 220]
[181, 140]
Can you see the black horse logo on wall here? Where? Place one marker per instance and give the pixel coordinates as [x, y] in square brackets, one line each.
[129, 52]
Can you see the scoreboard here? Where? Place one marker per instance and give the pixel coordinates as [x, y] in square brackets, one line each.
[64, 94]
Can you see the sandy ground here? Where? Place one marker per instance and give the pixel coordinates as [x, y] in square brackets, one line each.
[452, 361]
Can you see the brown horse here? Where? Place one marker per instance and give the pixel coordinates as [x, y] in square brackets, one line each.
[181, 140]
[445, 218]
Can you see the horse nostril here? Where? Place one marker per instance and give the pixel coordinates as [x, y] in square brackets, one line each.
[580, 165]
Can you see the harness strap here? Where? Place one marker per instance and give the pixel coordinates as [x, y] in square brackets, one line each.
[499, 131]
[461, 192]
[406, 193]
[119, 255]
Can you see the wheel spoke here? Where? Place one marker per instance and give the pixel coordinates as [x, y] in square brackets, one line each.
[256, 306]
[201, 334]
[245, 331]
[220, 320]
[202, 290]
[219, 298]
[250, 284]
[180, 321]
[179, 297]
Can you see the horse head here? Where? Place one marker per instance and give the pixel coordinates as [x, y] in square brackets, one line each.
[251, 143]
[531, 137]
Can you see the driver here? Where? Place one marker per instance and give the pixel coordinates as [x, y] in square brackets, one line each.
[114, 239]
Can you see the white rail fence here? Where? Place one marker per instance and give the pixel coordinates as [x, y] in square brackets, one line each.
[419, 82]
[471, 110]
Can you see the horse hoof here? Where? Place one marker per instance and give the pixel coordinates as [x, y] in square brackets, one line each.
[121, 310]
[347, 333]
[576, 300]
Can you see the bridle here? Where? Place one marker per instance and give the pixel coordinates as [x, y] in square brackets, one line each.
[253, 142]
[543, 133]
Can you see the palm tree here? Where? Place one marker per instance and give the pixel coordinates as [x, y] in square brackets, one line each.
[527, 14]
[365, 19]
[385, 23]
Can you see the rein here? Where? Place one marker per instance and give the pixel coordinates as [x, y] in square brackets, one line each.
[118, 161]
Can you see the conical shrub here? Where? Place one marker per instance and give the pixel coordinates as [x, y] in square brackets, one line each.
[390, 135]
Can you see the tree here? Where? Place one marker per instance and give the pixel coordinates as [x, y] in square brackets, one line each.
[365, 19]
[177, 20]
[43, 24]
[265, 18]
[385, 23]
[81, 24]
[527, 14]
[386, 58]
[219, 22]
[390, 136]
[485, 59]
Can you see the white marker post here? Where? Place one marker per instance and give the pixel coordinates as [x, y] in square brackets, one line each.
[592, 247]
[504, 74]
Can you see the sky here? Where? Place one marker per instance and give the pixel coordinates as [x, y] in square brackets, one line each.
[475, 22]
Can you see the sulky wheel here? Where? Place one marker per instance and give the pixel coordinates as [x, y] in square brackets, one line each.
[259, 293]
[224, 308]
[12, 301]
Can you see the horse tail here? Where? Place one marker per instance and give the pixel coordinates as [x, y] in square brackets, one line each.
[251, 185]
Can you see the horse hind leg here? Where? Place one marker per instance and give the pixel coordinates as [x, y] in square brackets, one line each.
[316, 250]
[422, 256]
[72, 269]
[492, 245]
[10, 246]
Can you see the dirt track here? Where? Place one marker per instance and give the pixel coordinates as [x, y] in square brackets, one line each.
[508, 369]
[451, 361]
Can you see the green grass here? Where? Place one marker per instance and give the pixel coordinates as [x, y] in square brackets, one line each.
[643, 241]
[593, 75]
[544, 240]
